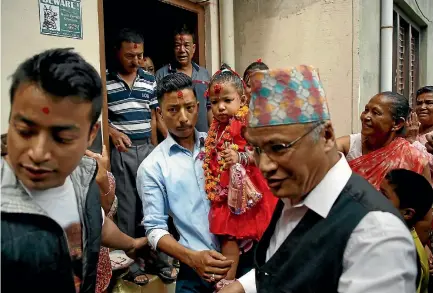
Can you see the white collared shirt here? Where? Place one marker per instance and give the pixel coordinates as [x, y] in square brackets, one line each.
[380, 255]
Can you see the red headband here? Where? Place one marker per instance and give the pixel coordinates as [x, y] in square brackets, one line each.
[232, 71]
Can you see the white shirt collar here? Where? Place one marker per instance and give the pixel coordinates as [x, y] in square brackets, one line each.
[323, 196]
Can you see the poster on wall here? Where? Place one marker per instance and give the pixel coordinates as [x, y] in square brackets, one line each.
[61, 18]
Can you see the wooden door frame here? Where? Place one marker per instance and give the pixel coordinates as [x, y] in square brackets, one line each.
[103, 66]
[196, 8]
[184, 4]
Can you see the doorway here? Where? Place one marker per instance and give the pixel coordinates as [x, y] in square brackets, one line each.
[156, 20]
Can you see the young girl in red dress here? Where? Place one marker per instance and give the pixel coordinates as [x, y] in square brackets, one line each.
[241, 202]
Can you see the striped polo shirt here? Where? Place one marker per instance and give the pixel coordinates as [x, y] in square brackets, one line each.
[129, 110]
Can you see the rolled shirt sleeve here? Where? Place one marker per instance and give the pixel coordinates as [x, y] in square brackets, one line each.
[150, 187]
[248, 281]
[380, 257]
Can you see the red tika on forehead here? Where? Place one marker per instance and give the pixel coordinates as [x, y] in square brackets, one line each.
[46, 110]
[135, 46]
[217, 88]
[180, 94]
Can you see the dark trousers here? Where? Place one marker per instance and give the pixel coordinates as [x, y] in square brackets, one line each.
[188, 281]
[124, 166]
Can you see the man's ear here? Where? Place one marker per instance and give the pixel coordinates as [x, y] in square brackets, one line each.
[328, 135]
[159, 112]
[398, 124]
[243, 100]
[408, 213]
[93, 133]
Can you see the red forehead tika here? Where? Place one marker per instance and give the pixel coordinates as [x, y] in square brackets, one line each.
[217, 88]
[135, 46]
[180, 94]
[46, 110]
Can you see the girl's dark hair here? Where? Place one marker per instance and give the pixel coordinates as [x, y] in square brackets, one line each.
[413, 191]
[257, 65]
[226, 74]
[400, 106]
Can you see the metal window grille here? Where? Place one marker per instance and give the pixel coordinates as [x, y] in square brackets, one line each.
[406, 56]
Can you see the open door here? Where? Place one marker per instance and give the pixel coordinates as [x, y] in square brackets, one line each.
[156, 20]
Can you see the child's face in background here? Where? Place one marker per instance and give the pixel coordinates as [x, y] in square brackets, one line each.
[147, 64]
[225, 101]
[248, 86]
[388, 190]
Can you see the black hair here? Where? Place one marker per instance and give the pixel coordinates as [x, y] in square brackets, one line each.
[413, 190]
[257, 65]
[423, 90]
[400, 106]
[129, 36]
[61, 73]
[226, 74]
[173, 83]
[184, 30]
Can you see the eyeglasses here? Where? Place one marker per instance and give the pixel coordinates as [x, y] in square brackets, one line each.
[282, 147]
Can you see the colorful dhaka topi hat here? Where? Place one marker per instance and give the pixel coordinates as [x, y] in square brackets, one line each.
[287, 96]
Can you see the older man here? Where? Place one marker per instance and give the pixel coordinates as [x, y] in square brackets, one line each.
[184, 50]
[331, 231]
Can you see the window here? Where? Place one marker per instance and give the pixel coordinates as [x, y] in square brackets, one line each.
[406, 40]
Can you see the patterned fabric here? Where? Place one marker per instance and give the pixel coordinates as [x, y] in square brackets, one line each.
[253, 223]
[129, 109]
[104, 272]
[420, 142]
[399, 154]
[287, 96]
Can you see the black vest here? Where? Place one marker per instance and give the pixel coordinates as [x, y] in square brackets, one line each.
[310, 259]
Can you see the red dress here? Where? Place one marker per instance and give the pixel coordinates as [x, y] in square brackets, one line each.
[253, 222]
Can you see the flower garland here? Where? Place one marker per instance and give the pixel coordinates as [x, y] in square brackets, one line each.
[211, 180]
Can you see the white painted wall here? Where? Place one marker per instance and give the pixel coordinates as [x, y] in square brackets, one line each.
[322, 33]
[20, 39]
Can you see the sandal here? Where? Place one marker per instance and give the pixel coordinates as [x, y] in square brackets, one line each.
[158, 265]
[176, 263]
[134, 273]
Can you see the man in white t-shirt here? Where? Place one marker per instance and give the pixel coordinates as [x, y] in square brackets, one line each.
[51, 219]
